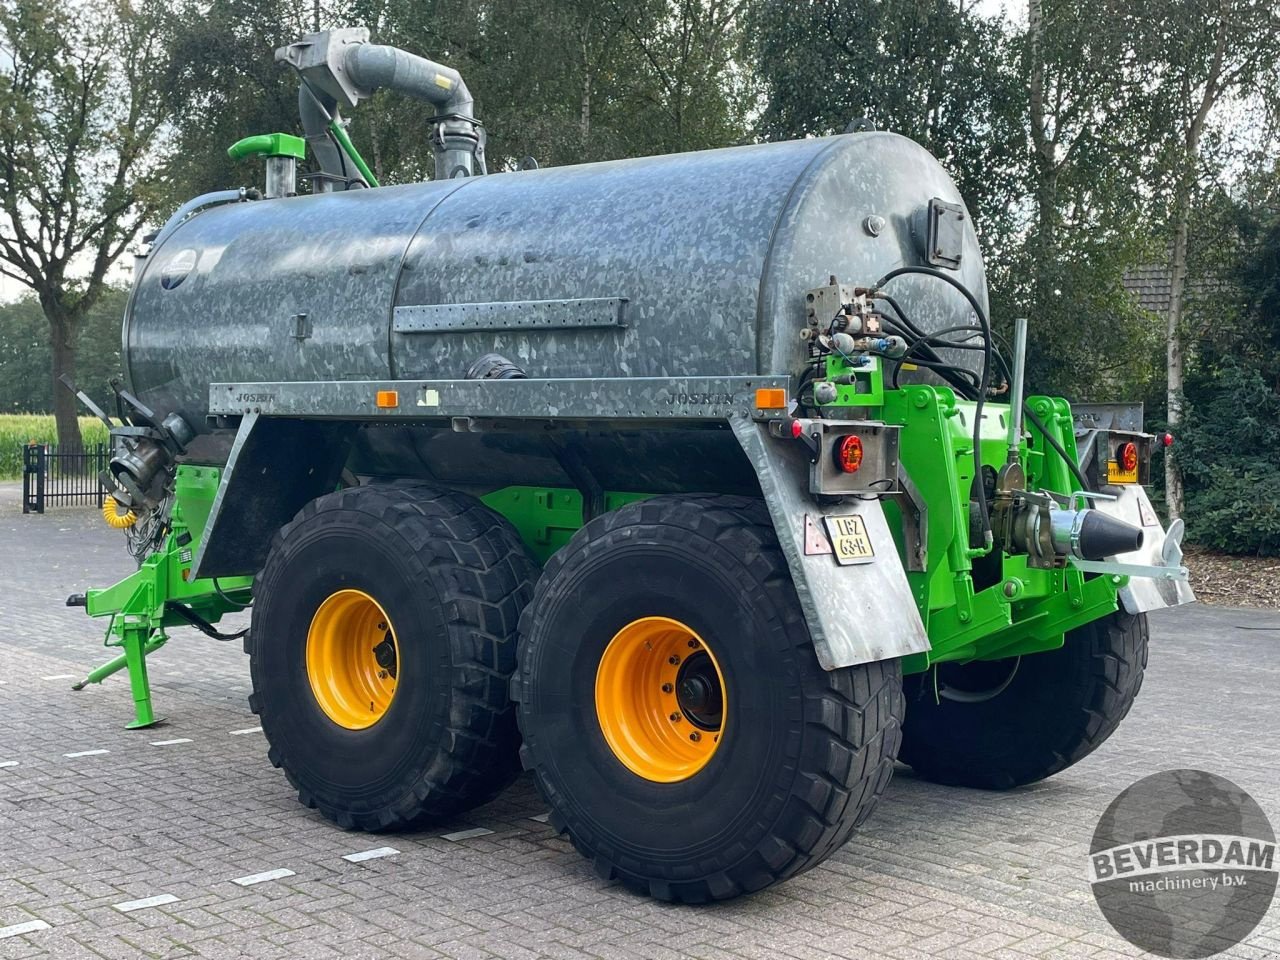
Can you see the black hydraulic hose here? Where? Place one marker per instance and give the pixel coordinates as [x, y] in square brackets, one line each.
[961, 379]
[977, 487]
[1053, 442]
[217, 588]
[200, 623]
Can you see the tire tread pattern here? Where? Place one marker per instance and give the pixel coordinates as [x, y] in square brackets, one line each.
[1106, 660]
[484, 577]
[854, 715]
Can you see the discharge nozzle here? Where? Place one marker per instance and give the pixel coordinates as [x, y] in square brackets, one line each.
[1092, 535]
[1050, 533]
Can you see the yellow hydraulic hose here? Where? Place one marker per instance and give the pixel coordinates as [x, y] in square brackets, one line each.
[117, 521]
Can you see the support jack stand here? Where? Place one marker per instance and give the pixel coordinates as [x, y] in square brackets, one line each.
[138, 641]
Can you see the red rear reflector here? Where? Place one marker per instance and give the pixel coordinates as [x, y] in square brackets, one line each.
[849, 453]
[1129, 457]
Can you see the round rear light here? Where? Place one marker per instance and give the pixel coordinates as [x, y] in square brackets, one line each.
[797, 428]
[1129, 457]
[849, 453]
[1167, 439]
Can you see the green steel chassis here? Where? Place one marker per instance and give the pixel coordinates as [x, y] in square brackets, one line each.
[1019, 609]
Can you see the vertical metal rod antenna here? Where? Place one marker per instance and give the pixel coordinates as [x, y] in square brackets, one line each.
[1016, 388]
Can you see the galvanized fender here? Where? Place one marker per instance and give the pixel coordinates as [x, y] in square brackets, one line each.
[856, 613]
[1142, 594]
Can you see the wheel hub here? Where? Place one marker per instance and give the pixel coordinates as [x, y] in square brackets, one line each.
[660, 699]
[352, 659]
[698, 691]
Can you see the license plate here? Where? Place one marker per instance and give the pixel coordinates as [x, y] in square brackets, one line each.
[1117, 473]
[850, 540]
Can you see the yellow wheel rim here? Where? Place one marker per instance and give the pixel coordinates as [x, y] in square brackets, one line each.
[352, 659]
[660, 699]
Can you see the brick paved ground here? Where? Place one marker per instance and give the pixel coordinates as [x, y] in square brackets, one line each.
[936, 873]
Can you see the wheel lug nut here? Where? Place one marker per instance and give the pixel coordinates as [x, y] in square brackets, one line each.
[675, 718]
[695, 736]
[693, 644]
[667, 688]
[382, 626]
[673, 660]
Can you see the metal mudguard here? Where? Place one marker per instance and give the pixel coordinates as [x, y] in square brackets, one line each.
[1143, 594]
[857, 613]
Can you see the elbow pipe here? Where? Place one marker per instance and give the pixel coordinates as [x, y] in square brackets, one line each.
[376, 66]
[341, 68]
[457, 140]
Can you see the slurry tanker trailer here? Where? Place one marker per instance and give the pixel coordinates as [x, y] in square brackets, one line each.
[698, 486]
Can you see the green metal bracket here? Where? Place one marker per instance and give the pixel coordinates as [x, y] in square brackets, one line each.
[141, 606]
[866, 383]
[269, 145]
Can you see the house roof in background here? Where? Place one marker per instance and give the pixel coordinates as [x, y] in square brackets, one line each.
[1149, 285]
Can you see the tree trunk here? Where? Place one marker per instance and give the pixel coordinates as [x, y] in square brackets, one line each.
[1184, 188]
[584, 116]
[1044, 153]
[65, 406]
[1173, 356]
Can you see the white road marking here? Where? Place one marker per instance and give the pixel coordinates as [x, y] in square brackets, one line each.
[18, 929]
[466, 834]
[542, 817]
[170, 743]
[9, 763]
[373, 854]
[241, 733]
[249, 881]
[158, 900]
[61, 676]
[85, 753]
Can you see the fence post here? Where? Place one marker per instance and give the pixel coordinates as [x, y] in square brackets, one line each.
[42, 469]
[99, 464]
[28, 470]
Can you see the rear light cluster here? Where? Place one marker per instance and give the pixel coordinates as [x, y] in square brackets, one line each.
[1128, 457]
[848, 453]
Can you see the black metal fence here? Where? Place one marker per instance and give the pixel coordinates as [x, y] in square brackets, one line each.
[49, 476]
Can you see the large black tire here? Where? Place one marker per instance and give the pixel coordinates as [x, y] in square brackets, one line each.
[803, 756]
[452, 577]
[1006, 723]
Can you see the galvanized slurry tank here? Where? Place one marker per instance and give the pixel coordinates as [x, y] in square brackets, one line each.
[694, 264]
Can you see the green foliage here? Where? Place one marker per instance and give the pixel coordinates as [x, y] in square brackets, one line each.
[1229, 450]
[18, 431]
[25, 382]
[222, 84]
[627, 78]
[79, 172]
[922, 68]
